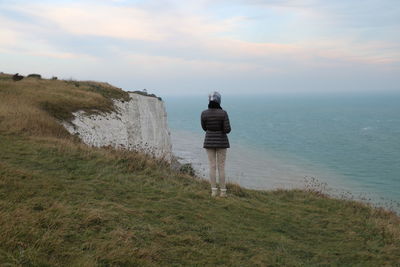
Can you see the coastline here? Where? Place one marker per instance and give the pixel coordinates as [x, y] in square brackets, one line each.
[245, 166]
[254, 169]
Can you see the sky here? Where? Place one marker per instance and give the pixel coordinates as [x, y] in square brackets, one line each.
[193, 47]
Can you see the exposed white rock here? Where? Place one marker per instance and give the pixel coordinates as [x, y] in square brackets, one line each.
[138, 124]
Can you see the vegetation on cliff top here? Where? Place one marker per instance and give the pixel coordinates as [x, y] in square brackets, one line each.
[65, 204]
[35, 106]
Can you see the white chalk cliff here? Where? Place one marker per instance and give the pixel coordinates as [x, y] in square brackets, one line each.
[138, 124]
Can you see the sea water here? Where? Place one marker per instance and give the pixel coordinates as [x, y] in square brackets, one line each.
[350, 142]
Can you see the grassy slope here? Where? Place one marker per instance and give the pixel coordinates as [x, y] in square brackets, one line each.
[62, 203]
[31, 106]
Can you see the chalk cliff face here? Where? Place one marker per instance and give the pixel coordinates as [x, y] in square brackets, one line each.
[138, 124]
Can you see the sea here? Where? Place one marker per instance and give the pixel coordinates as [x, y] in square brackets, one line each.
[346, 145]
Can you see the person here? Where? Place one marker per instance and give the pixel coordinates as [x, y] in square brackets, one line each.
[215, 122]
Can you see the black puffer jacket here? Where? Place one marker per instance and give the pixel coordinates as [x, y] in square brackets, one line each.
[216, 124]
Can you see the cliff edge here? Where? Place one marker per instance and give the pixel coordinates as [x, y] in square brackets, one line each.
[137, 124]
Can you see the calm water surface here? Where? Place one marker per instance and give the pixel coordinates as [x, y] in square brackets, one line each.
[352, 142]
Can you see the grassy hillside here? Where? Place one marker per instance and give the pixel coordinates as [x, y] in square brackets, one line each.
[63, 203]
[33, 106]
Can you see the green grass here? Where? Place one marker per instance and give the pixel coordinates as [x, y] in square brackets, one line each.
[66, 204]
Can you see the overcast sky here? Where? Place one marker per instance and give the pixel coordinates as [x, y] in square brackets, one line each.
[196, 46]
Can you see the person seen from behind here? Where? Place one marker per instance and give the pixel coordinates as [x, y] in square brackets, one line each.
[215, 122]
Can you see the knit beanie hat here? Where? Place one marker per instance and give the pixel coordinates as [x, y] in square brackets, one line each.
[215, 96]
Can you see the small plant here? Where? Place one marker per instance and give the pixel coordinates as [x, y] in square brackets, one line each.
[16, 77]
[315, 186]
[188, 169]
[236, 190]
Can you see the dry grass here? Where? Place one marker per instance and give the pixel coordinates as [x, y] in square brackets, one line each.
[65, 204]
[35, 106]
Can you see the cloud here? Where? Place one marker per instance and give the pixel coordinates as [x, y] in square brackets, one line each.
[7, 37]
[378, 53]
[174, 30]
[201, 38]
[166, 65]
[15, 41]
[123, 22]
[114, 22]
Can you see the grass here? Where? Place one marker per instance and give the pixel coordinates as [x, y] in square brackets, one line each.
[35, 106]
[65, 204]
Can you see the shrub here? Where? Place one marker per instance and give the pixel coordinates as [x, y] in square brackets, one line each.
[188, 169]
[34, 75]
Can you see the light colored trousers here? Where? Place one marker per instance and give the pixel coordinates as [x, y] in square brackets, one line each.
[216, 157]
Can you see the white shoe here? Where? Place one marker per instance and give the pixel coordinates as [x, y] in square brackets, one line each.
[214, 191]
[223, 193]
